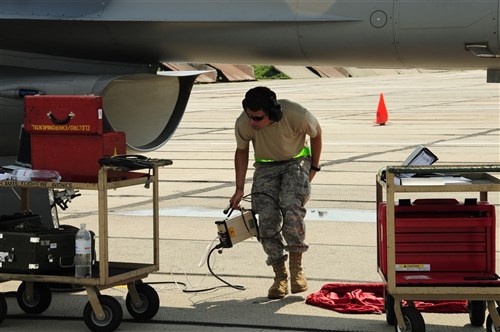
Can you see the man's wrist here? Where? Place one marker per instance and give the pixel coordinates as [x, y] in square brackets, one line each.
[315, 168]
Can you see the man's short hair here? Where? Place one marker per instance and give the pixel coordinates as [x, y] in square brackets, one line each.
[258, 98]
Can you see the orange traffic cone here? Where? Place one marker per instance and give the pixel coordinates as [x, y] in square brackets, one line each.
[382, 116]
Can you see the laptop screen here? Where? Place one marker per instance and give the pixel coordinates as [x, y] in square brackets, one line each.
[24, 149]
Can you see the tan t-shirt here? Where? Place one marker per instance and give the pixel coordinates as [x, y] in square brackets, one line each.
[281, 140]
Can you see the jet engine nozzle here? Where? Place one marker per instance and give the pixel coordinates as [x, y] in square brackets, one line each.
[148, 108]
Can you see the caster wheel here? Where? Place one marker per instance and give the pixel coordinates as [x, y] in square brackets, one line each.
[414, 322]
[3, 307]
[42, 297]
[477, 312]
[490, 327]
[390, 315]
[150, 303]
[113, 315]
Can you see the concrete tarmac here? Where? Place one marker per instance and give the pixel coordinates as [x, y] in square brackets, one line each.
[455, 114]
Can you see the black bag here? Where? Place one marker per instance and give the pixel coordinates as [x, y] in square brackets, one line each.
[43, 251]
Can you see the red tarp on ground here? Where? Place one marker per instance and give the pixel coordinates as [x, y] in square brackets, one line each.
[369, 298]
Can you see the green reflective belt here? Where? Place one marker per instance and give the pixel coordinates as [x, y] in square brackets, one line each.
[305, 152]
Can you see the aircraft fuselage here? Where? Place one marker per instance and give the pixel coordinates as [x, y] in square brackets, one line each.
[384, 33]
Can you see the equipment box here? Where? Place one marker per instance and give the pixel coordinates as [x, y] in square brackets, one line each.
[20, 221]
[440, 235]
[75, 157]
[58, 114]
[39, 252]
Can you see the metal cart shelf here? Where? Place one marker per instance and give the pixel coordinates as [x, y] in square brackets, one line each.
[102, 313]
[443, 286]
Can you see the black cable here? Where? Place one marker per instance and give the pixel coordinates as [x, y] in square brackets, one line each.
[219, 247]
[185, 290]
[245, 222]
[133, 162]
[165, 282]
[279, 207]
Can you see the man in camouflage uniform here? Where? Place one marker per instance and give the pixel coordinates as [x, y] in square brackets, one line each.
[284, 167]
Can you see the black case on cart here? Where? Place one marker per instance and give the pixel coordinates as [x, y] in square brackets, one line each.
[22, 221]
[44, 251]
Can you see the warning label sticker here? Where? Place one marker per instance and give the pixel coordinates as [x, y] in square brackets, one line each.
[67, 128]
[413, 267]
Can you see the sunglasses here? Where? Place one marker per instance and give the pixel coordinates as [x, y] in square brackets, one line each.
[255, 118]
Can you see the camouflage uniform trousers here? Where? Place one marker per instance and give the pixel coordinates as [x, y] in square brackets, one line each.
[282, 227]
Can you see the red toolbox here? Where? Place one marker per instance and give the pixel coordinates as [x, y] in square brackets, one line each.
[440, 236]
[75, 157]
[61, 114]
[66, 134]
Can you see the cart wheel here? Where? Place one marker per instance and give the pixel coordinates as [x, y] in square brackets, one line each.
[477, 312]
[390, 315]
[42, 296]
[150, 302]
[490, 327]
[414, 321]
[3, 307]
[112, 311]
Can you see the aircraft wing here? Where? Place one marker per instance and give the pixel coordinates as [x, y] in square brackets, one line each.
[86, 46]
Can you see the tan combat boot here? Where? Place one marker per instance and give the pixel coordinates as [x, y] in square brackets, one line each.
[280, 286]
[298, 279]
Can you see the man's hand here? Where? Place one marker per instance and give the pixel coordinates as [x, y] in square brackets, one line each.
[312, 173]
[234, 202]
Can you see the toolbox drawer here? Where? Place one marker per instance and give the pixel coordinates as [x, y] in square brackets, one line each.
[441, 262]
[75, 157]
[459, 247]
[442, 238]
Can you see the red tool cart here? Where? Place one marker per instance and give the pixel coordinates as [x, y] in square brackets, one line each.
[438, 248]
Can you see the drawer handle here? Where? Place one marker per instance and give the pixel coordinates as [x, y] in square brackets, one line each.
[55, 120]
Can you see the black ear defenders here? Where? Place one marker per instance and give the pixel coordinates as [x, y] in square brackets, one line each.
[275, 112]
